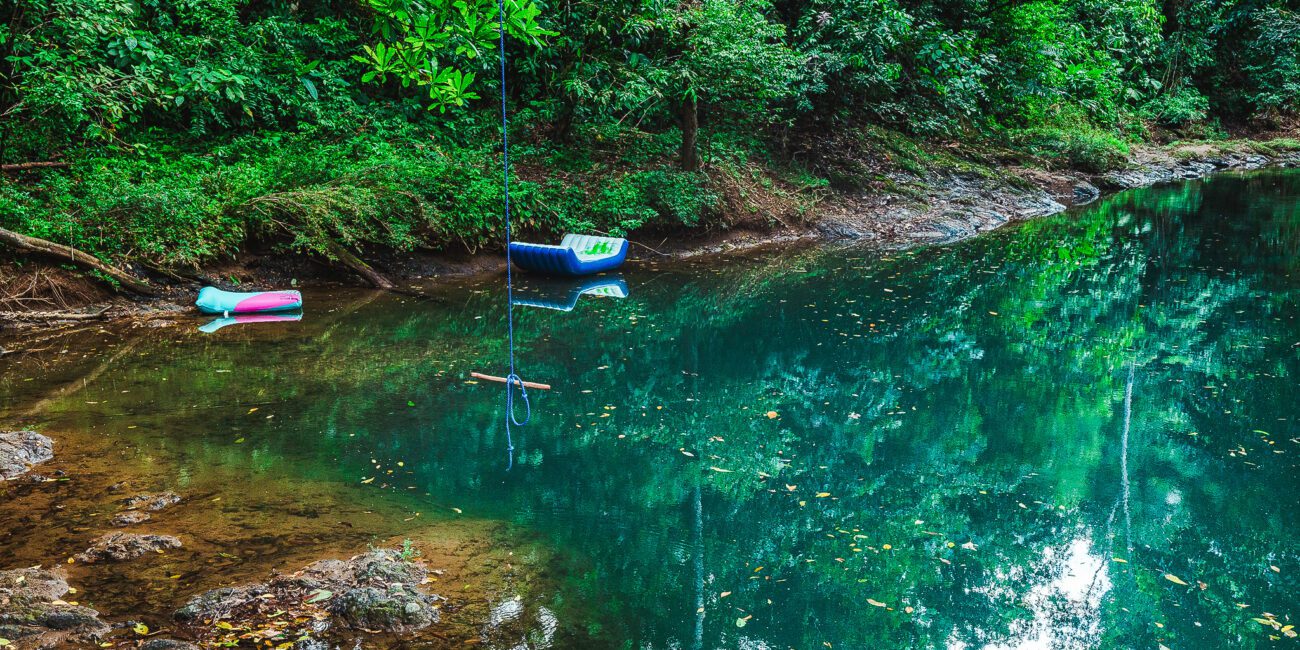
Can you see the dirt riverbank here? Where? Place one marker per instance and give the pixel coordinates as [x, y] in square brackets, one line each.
[902, 209]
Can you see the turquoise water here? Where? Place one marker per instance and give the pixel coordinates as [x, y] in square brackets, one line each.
[1077, 432]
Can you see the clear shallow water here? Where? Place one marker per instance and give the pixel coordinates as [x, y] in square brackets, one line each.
[1080, 432]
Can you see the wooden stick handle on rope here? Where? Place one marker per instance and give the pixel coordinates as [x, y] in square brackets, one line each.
[502, 380]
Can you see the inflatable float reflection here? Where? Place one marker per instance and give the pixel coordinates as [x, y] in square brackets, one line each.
[562, 295]
[242, 319]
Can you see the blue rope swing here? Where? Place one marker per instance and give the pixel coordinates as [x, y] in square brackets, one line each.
[513, 381]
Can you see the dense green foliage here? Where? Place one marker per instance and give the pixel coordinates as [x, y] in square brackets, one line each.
[194, 126]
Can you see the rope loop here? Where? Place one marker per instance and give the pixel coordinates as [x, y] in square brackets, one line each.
[512, 382]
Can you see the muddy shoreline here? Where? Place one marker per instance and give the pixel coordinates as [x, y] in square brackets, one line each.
[942, 206]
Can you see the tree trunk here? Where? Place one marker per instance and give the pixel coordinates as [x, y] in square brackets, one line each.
[70, 254]
[18, 167]
[361, 268]
[689, 155]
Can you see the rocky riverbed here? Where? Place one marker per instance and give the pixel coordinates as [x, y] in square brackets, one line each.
[376, 593]
[87, 559]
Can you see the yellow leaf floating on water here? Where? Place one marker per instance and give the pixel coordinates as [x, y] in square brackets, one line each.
[1175, 579]
[877, 603]
[772, 415]
[790, 488]
[823, 495]
[725, 594]
[1120, 560]
[687, 453]
[719, 469]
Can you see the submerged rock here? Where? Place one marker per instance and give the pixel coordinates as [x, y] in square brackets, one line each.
[377, 591]
[152, 502]
[167, 644]
[392, 608]
[119, 547]
[20, 450]
[130, 518]
[32, 614]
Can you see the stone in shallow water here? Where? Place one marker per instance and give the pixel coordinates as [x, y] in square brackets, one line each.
[129, 518]
[152, 502]
[19, 450]
[119, 547]
[167, 644]
[393, 608]
[375, 591]
[33, 616]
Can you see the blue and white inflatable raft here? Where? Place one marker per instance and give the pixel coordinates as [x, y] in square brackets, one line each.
[576, 255]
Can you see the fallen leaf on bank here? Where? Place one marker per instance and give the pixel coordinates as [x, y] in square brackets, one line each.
[318, 595]
[141, 629]
[252, 410]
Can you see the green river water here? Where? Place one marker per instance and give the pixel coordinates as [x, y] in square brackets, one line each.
[1078, 432]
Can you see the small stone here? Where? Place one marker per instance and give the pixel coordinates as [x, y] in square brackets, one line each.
[167, 644]
[130, 518]
[119, 547]
[20, 450]
[152, 502]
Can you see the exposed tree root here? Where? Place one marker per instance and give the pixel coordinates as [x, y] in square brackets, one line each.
[39, 246]
[49, 316]
[360, 268]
